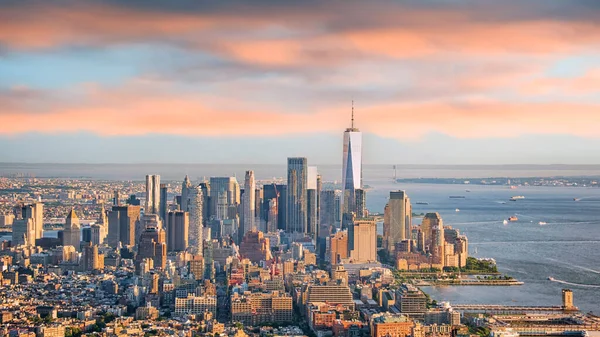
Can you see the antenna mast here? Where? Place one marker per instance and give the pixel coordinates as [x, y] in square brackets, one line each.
[352, 114]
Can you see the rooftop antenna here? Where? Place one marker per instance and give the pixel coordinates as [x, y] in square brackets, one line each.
[353, 114]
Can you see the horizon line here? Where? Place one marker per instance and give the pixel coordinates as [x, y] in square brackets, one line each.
[317, 164]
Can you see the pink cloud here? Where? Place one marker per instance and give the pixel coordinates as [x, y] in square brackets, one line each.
[139, 109]
[402, 32]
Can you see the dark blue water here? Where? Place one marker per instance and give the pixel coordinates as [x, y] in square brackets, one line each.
[566, 248]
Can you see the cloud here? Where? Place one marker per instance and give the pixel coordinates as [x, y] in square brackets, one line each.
[278, 35]
[120, 111]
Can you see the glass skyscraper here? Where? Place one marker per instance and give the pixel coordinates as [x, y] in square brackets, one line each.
[351, 167]
[296, 210]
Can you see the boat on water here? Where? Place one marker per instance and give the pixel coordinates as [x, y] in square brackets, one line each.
[457, 197]
[422, 203]
[542, 223]
[550, 278]
[505, 222]
[576, 199]
[517, 197]
[458, 210]
[468, 191]
[513, 218]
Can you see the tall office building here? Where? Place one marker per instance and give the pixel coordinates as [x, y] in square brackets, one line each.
[361, 203]
[164, 191]
[272, 215]
[296, 218]
[91, 259]
[185, 193]
[319, 189]
[35, 212]
[23, 232]
[195, 232]
[122, 222]
[249, 202]
[178, 225]
[328, 208]
[312, 220]
[430, 221]
[207, 203]
[225, 196]
[153, 246]
[438, 241]
[279, 192]
[399, 219]
[100, 229]
[259, 222]
[152, 194]
[269, 192]
[72, 231]
[338, 247]
[351, 167]
[362, 241]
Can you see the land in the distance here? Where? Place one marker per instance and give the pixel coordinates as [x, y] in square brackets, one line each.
[588, 181]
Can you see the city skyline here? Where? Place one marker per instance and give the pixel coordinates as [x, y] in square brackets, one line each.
[497, 89]
[405, 168]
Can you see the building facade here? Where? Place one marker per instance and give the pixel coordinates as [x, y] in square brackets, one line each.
[152, 205]
[297, 177]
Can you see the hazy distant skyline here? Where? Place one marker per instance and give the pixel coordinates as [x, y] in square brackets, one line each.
[434, 82]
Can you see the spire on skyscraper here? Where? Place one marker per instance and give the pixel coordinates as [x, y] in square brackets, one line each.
[352, 114]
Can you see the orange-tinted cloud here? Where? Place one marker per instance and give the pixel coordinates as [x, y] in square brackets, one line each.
[588, 83]
[402, 32]
[120, 111]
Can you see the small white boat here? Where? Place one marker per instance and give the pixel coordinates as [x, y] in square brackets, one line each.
[542, 223]
[458, 210]
[505, 222]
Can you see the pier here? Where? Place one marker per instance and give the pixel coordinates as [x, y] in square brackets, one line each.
[506, 309]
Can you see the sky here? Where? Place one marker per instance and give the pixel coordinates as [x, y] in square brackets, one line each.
[435, 82]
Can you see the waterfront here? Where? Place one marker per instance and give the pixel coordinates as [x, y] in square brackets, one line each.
[566, 248]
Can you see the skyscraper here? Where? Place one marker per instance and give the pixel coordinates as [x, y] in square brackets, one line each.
[91, 258]
[207, 204]
[430, 221]
[35, 212]
[312, 223]
[400, 219]
[195, 232]
[163, 201]
[351, 166]
[282, 206]
[178, 225]
[249, 202]
[363, 234]
[259, 223]
[152, 194]
[296, 218]
[225, 196]
[100, 231]
[23, 232]
[122, 221]
[153, 246]
[72, 231]
[328, 208]
[361, 203]
[185, 193]
[436, 241]
[272, 215]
